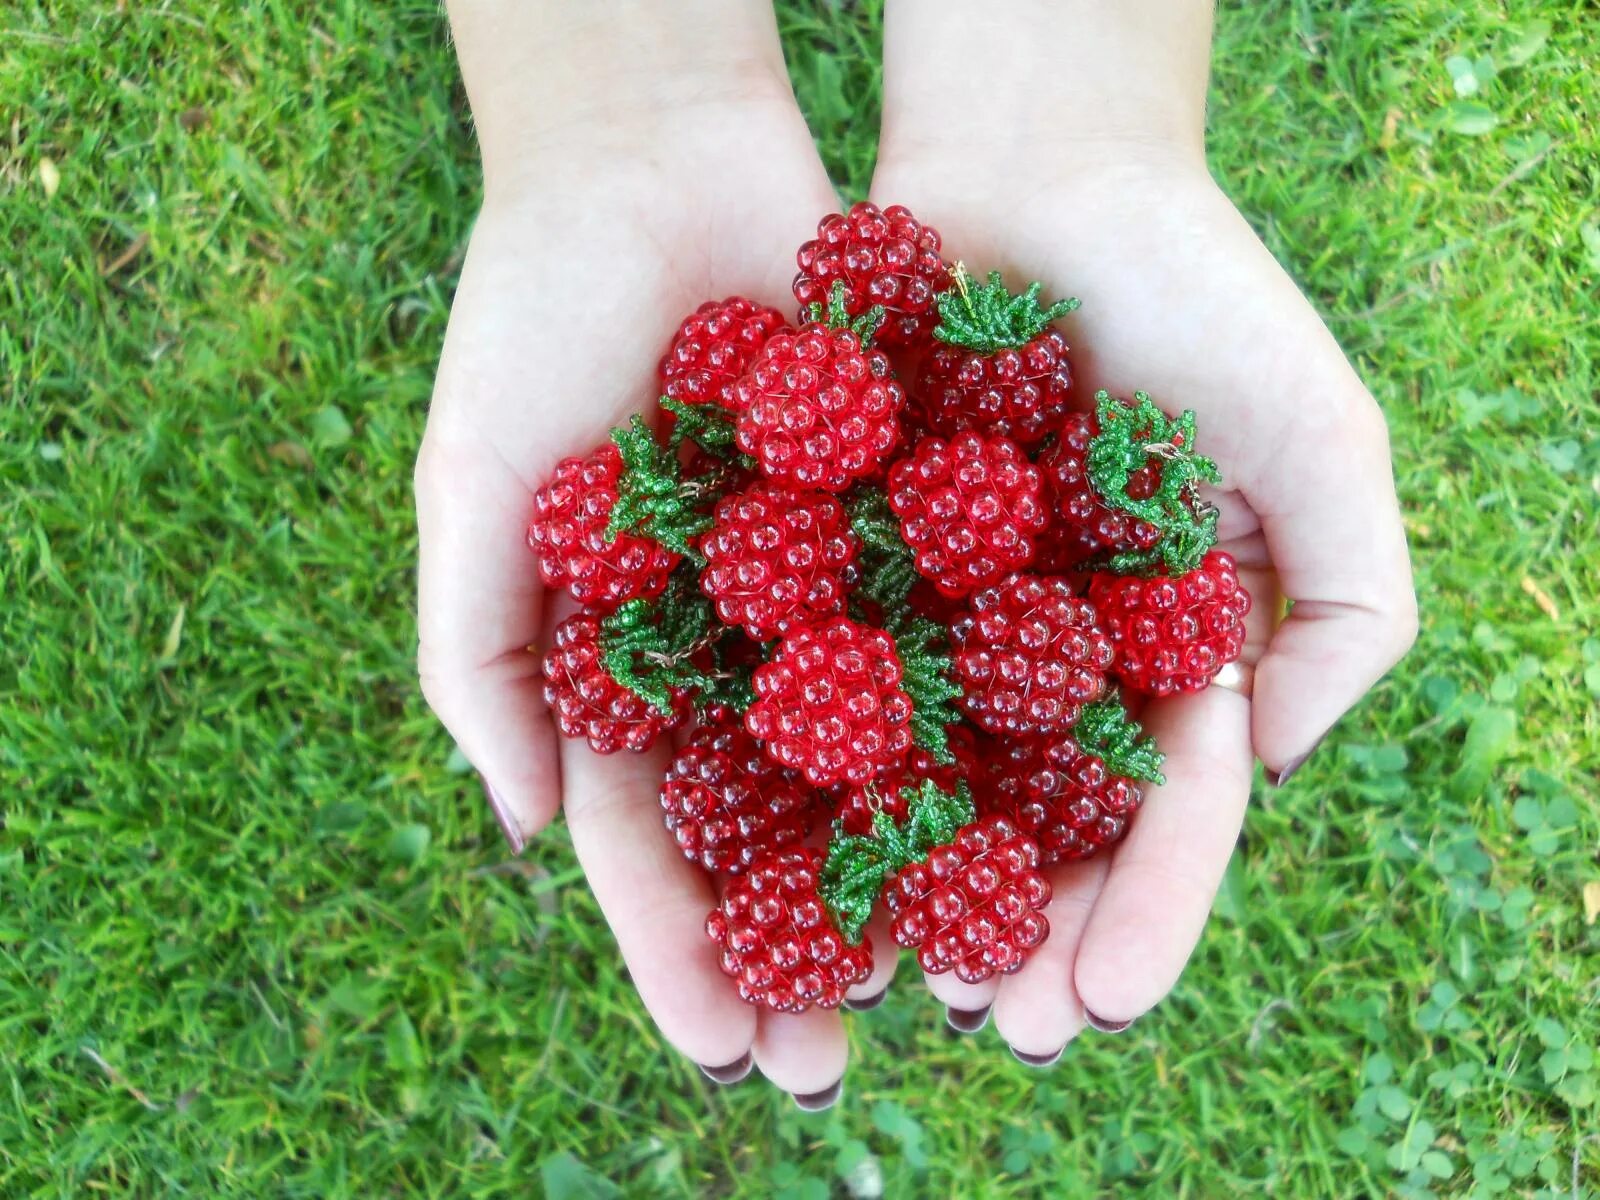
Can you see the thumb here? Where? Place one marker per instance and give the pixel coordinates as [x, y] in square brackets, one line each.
[479, 615]
[1326, 500]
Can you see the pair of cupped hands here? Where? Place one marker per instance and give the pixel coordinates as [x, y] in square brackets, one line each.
[604, 226]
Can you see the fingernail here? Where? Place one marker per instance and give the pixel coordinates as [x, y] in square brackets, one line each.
[508, 823]
[817, 1101]
[1282, 776]
[967, 1020]
[1103, 1025]
[1037, 1060]
[732, 1073]
[867, 1003]
[1279, 778]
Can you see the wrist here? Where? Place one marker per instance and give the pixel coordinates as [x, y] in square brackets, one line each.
[556, 83]
[1046, 85]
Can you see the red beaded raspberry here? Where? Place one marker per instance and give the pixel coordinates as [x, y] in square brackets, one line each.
[1075, 793]
[713, 347]
[727, 804]
[1021, 393]
[1082, 525]
[1122, 485]
[778, 939]
[776, 555]
[857, 806]
[884, 257]
[568, 532]
[974, 905]
[818, 408]
[1173, 634]
[1028, 656]
[589, 703]
[829, 703]
[969, 509]
[998, 365]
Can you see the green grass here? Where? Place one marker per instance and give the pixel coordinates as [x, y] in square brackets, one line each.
[258, 935]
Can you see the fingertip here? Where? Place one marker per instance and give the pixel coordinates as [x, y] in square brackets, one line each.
[1116, 988]
[655, 901]
[1277, 778]
[497, 716]
[814, 1102]
[517, 759]
[521, 820]
[962, 997]
[1104, 1024]
[1038, 1011]
[805, 1054]
[729, 1034]
[696, 1007]
[1039, 1061]
[866, 1003]
[729, 1073]
[1164, 875]
[967, 1020]
[506, 817]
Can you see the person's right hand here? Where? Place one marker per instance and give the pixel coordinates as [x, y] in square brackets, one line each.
[630, 174]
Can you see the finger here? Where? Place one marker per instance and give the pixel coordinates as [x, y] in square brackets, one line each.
[1038, 1010]
[803, 1053]
[1327, 505]
[655, 901]
[885, 959]
[479, 609]
[966, 1005]
[1164, 875]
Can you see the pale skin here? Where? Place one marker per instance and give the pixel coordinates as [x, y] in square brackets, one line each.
[640, 158]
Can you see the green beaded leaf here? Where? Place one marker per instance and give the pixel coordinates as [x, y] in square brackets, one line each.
[1105, 730]
[852, 877]
[925, 663]
[888, 567]
[729, 686]
[653, 498]
[874, 522]
[709, 426]
[836, 315]
[987, 318]
[1129, 435]
[888, 581]
[858, 865]
[933, 817]
[649, 646]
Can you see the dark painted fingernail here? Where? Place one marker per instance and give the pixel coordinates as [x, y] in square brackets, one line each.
[732, 1073]
[1285, 773]
[1279, 778]
[817, 1101]
[967, 1020]
[508, 823]
[1103, 1025]
[867, 1003]
[1037, 1060]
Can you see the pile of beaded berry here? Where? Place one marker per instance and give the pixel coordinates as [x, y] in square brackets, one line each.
[900, 587]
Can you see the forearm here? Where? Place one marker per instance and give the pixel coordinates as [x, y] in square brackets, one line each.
[1036, 75]
[553, 75]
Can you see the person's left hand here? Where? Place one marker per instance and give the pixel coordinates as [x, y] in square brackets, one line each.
[1182, 300]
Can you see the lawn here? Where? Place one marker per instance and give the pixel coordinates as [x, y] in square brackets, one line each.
[259, 935]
